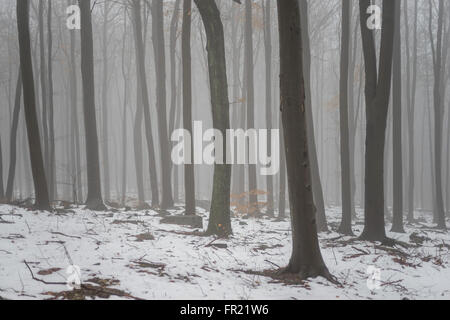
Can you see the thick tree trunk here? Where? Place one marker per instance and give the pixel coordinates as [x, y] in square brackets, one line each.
[13, 139]
[397, 222]
[346, 223]
[315, 174]
[377, 93]
[219, 221]
[143, 88]
[34, 143]
[189, 180]
[306, 259]
[94, 195]
[160, 69]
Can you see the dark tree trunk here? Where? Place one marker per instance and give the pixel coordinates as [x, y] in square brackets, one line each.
[268, 55]
[315, 174]
[250, 93]
[34, 143]
[377, 94]
[397, 221]
[44, 89]
[346, 223]
[438, 116]
[189, 180]
[142, 85]
[160, 69]
[282, 194]
[306, 259]
[125, 116]
[13, 139]
[219, 221]
[411, 100]
[94, 195]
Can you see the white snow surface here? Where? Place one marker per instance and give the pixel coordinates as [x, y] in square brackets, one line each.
[180, 266]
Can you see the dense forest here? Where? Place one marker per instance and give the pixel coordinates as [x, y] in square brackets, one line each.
[211, 149]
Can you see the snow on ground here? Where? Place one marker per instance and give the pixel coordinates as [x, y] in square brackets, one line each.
[132, 252]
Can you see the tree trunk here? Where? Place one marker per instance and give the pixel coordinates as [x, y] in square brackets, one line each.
[219, 221]
[346, 223]
[34, 143]
[268, 56]
[143, 88]
[312, 149]
[125, 116]
[13, 139]
[282, 194]
[44, 89]
[306, 259]
[51, 125]
[189, 180]
[105, 113]
[160, 69]
[438, 117]
[2, 190]
[377, 94]
[397, 222]
[250, 93]
[94, 195]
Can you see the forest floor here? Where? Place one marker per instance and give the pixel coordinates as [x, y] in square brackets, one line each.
[131, 255]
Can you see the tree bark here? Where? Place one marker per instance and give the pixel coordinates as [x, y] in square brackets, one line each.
[160, 69]
[346, 223]
[397, 222]
[219, 221]
[94, 195]
[377, 94]
[189, 178]
[13, 139]
[306, 259]
[34, 143]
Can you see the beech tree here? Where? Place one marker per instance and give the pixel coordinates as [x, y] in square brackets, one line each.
[377, 94]
[34, 143]
[94, 194]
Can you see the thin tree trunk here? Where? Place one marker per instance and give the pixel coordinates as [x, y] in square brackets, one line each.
[160, 69]
[189, 180]
[105, 114]
[250, 90]
[346, 223]
[94, 195]
[397, 222]
[125, 116]
[51, 125]
[34, 143]
[13, 139]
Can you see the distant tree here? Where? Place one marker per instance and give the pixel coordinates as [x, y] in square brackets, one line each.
[377, 92]
[34, 143]
[306, 260]
[94, 195]
[13, 139]
[219, 221]
[144, 99]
